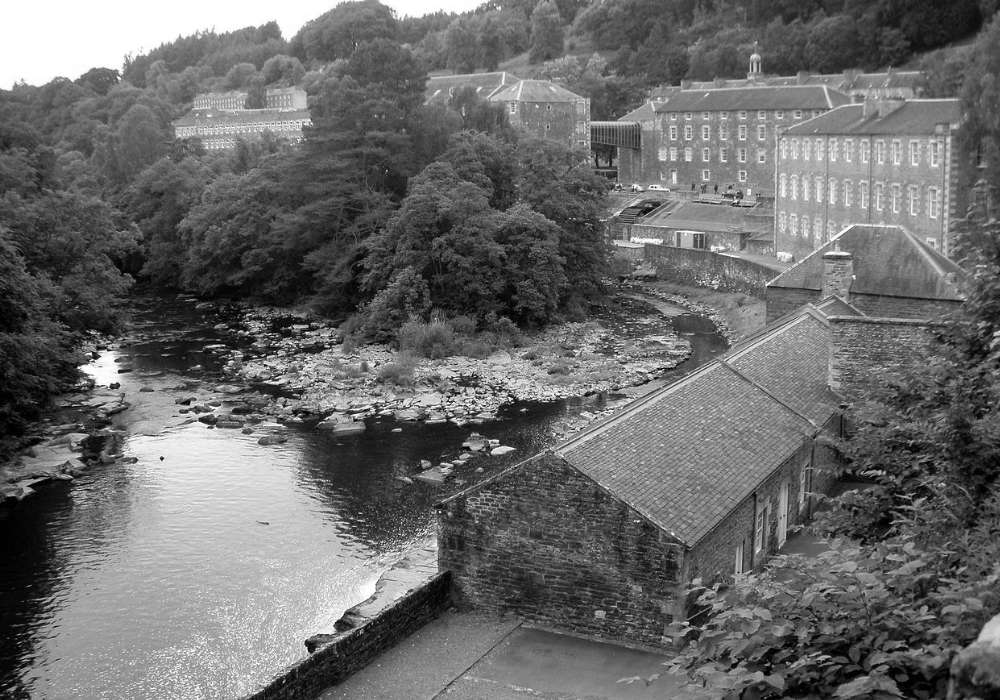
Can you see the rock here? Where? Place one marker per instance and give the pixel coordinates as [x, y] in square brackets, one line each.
[501, 450]
[405, 479]
[208, 419]
[186, 401]
[228, 424]
[475, 443]
[425, 464]
[114, 385]
[352, 428]
[241, 409]
[272, 440]
[396, 430]
[124, 370]
[431, 476]
[247, 431]
[146, 389]
[479, 470]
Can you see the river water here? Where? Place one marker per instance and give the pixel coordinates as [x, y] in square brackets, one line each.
[196, 568]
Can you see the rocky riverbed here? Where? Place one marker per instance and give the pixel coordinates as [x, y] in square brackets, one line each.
[278, 368]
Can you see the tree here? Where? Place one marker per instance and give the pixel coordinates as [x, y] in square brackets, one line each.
[546, 32]
[462, 45]
[979, 134]
[337, 33]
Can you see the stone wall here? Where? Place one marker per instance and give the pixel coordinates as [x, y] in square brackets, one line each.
[860, 346]
[356, 648]
[544, 542]
[703, 268]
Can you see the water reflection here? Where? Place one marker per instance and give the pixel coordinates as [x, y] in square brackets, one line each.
[198, 575]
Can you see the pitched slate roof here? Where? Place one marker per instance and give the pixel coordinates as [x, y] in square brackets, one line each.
[911, 117]
[535, 91]
[441, 87]
[686, 455]
[888, 260]
[753, 98]
[706, 217]
[642, 113]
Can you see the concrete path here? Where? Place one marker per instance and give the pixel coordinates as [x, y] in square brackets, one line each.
[463, 656]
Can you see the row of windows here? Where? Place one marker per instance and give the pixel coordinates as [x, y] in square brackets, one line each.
[706, 132]
[802, 227]
[743, 114]
[817, 149]
[249, 128]
[742, 155]
[706, 176]
[792, 188]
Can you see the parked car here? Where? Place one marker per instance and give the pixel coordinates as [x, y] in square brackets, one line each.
[637, 188]
[658, 188]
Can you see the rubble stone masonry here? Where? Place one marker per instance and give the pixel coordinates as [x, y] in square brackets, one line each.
[543, 541]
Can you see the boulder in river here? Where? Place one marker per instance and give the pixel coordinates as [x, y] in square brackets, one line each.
[272, 440]
[501, 450]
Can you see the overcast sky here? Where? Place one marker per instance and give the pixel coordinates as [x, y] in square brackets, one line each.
[42, 39]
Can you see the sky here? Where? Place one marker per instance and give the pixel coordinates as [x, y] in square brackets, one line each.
[43, 39]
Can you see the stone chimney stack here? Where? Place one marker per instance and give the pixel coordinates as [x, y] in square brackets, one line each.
[838, 274]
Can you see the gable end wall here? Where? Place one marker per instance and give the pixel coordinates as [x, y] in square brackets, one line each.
[547, 543]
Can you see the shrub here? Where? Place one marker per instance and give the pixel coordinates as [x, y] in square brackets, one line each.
[405, 297]
[463, 325]
[433, 340]
[502, 332]
[476, 348]
[560, 367]
[399, 371]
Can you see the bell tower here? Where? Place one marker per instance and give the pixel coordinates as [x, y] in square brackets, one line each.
[755, 64]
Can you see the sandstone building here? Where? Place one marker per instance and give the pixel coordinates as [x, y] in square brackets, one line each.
[879, 162]
[219, 119]
[702, 478]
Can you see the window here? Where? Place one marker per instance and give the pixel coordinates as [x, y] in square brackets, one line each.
[723, 155]
[932, 242]
[833, 191]
[742, 132]
[687, 115]
[673, 132]
[724, 132]
[705, 115]
[818, 226]
[880, 152]
[798, 114]
[780, 114]
[895, 194]
[739, 566]
[913, 195]
[793, 183]
[688, 155]
[805, 226]
[743, 114]
[741, 155]
[781, 222]
[863, 195]
[864, 151]
[782, 186]
[914, 153]
[673, 176]
[662, 153]
[783, 149]
[848, 193]
[724, 115]
[833, 150]
[805, 188]
[848, 150]
[761, 114]
[806, 149]
[819, 189]
[513, 107]
[879, 195]
[706, 175]
[761, 132]
[803, 485]
[761, 155]
[741, 175]
[831, 228]
[673, 153]
[688, 132]
[706, 132]
[793, 224]
[932, 202]
[896, 151]
[698, 240]
[934, 153]
[673, 116]
[795, 149]
[818, 150]
[706, 155]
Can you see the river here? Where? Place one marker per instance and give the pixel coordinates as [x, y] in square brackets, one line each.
[196, 567]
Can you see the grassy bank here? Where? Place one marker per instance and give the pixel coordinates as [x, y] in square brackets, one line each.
[742, 313]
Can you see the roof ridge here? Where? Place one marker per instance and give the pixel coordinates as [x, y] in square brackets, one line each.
[761, 388]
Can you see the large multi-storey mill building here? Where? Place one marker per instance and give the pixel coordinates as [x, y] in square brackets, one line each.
[880, 162]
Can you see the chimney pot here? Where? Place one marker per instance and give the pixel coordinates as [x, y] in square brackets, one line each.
[838, 274]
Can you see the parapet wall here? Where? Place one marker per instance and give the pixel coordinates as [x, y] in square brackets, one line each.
[703, 268]
[354, 649]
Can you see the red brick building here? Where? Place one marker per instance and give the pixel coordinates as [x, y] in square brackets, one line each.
[880, 162]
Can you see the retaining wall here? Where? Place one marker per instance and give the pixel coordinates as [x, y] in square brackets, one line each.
[703, 268]
[356, 648]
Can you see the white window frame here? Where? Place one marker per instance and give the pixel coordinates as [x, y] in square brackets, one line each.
[762, 132]
[706, 155]
[742, 132]
[706, 132]
[706, 175]
[741, 175]
[761, 155]
[932, 202]
[914, 152]
[673, 132]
